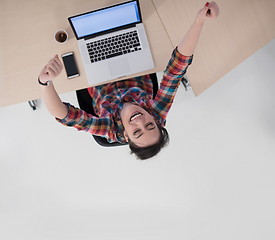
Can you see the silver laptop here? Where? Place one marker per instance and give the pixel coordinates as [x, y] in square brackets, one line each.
[112, 42]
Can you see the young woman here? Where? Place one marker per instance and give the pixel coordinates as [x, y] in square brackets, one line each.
[126, 109]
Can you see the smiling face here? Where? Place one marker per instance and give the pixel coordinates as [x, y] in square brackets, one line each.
[140, 126]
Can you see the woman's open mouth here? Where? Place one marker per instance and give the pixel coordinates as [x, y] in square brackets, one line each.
[135, 116]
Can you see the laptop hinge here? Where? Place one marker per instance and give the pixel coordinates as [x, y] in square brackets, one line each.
[110, 31]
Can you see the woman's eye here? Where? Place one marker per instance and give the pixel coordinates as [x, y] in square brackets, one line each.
[136, 132]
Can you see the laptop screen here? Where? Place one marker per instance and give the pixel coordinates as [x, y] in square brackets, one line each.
[105, 19]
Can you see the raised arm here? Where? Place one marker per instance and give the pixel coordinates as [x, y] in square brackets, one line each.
[180, 60]
[49, 95]
[189, 42]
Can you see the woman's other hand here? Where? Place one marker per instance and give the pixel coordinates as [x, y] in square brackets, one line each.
[209, 11]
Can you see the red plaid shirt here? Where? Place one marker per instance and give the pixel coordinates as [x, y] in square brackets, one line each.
[108, 101]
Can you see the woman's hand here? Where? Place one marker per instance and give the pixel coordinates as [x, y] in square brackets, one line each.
[51, 70]
[209, 11]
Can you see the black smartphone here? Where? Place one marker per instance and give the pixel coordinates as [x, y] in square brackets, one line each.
[70, 65]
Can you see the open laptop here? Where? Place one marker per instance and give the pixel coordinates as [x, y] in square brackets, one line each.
[112, 42]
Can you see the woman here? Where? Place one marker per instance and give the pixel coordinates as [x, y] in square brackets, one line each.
[127, 112]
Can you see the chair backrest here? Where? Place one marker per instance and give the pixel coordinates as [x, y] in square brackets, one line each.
[85, 103]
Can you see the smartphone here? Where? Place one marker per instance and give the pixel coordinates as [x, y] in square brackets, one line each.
[70, 65]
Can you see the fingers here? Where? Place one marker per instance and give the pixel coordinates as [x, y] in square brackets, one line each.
[206, 10]
[54, 67]
[212, 9]
[55, 62]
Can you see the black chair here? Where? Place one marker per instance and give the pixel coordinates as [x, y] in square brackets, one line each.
[85, 103]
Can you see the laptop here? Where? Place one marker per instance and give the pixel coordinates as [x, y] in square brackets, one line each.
[112, 42]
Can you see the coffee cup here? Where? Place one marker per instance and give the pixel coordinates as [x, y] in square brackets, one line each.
[61, 36]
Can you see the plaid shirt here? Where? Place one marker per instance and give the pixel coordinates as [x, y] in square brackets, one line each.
[108, 101]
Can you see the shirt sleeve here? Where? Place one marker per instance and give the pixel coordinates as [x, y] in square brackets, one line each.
[83, 121]
[175, 70]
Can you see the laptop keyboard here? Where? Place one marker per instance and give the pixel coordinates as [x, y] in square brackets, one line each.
[114, 46]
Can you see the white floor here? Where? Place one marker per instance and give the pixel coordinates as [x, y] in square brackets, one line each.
[214, 181]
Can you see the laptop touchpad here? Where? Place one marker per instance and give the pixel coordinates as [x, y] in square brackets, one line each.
[119, 67]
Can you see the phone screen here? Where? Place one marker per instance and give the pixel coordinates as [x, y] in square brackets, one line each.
[70, 65]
